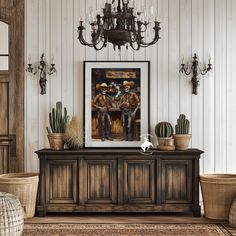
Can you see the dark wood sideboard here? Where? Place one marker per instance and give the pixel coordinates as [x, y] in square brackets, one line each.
[118, 180]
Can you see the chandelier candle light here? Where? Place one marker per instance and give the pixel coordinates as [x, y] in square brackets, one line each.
[121, 25]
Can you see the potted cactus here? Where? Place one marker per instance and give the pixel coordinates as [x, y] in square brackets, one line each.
[164, 132]
[182, 136]
[56, 131]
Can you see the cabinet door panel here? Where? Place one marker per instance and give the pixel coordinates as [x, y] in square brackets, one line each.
[139, 181]
[61, 182]
[101, 181]
[176, 181]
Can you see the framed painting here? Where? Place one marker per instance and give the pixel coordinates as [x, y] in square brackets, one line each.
[116, 103]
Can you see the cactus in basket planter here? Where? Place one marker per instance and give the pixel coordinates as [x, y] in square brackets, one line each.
[57, 119]
[56, 131]
[164, 130]
[182, 126]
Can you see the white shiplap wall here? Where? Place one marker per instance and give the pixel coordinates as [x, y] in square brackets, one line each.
[206, 27]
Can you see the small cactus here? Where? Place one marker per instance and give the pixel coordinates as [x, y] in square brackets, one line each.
[164, 130]
[182, 126]
[57, 120]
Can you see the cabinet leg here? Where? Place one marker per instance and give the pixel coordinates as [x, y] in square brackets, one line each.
[41, 212]
[197, 211]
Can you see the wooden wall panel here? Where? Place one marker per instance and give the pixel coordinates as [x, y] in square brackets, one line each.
[186, 53]
[44, 39]
[220, 68]
[174, 60]
[4, 106]
[32, 85]
[231, 85]
[208, 84]
[67, 54]
[152, 55]
[163, 65]
[205, 27]
[197, 101]
[4, 158]
[56, 50]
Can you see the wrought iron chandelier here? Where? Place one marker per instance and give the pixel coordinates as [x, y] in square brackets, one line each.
[121, 25]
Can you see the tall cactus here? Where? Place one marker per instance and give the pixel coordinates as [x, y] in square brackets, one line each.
[164, 130]
[182, 126]
[57, 120]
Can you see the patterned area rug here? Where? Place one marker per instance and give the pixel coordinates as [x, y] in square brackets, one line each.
[125, 229]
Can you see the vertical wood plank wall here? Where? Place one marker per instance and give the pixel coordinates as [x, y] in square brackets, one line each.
[206, 27]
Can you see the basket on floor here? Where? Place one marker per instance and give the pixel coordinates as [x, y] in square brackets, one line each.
[24, 186]
[11, 215]
[218, 191]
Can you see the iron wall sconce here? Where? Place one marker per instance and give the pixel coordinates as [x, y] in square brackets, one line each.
[196, 71]
[43, 68]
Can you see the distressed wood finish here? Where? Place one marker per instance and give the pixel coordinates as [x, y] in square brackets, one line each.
[139, 181]
[4, 154]
[62, 181]
[12, 90]
[118, 180]
[100, 181]
[176, 181]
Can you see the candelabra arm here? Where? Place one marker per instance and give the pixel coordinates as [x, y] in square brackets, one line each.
[184, 70]
[81, 36]
[206, 70]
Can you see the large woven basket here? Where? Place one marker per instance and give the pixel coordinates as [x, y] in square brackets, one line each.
[11, 215]
[232, 214]
[24, 186]
[218, 191]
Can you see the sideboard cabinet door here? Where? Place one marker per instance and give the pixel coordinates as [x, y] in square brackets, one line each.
[139, 181]
[61, 181]
[176, 181]
[100, 178]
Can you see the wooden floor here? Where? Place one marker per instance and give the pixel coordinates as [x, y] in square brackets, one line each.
[125, 218]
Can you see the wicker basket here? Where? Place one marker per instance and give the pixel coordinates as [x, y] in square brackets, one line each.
[232, 214]
[24, 186]
[219, 191]
[11, 215]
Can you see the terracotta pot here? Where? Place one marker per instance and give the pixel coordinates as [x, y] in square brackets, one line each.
[165, 141]
[182, 141]
[165, 144]
[56, 141]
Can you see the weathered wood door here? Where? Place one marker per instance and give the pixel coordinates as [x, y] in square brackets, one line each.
[177, 181]
[62, 182]
[11, 86]
[139, 181]
[100, 181]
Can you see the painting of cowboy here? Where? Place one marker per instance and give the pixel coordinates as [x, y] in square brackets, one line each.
[129, 105]
[103, 103]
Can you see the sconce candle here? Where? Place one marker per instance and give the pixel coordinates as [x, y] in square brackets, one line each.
[43, 68]
[195, 70]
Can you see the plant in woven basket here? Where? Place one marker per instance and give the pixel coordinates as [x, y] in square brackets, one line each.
[164, 132]
[56, 132]
[182, 136]
[74, 134]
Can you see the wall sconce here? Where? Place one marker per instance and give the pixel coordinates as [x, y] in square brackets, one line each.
[43, 68]
[195, 70]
